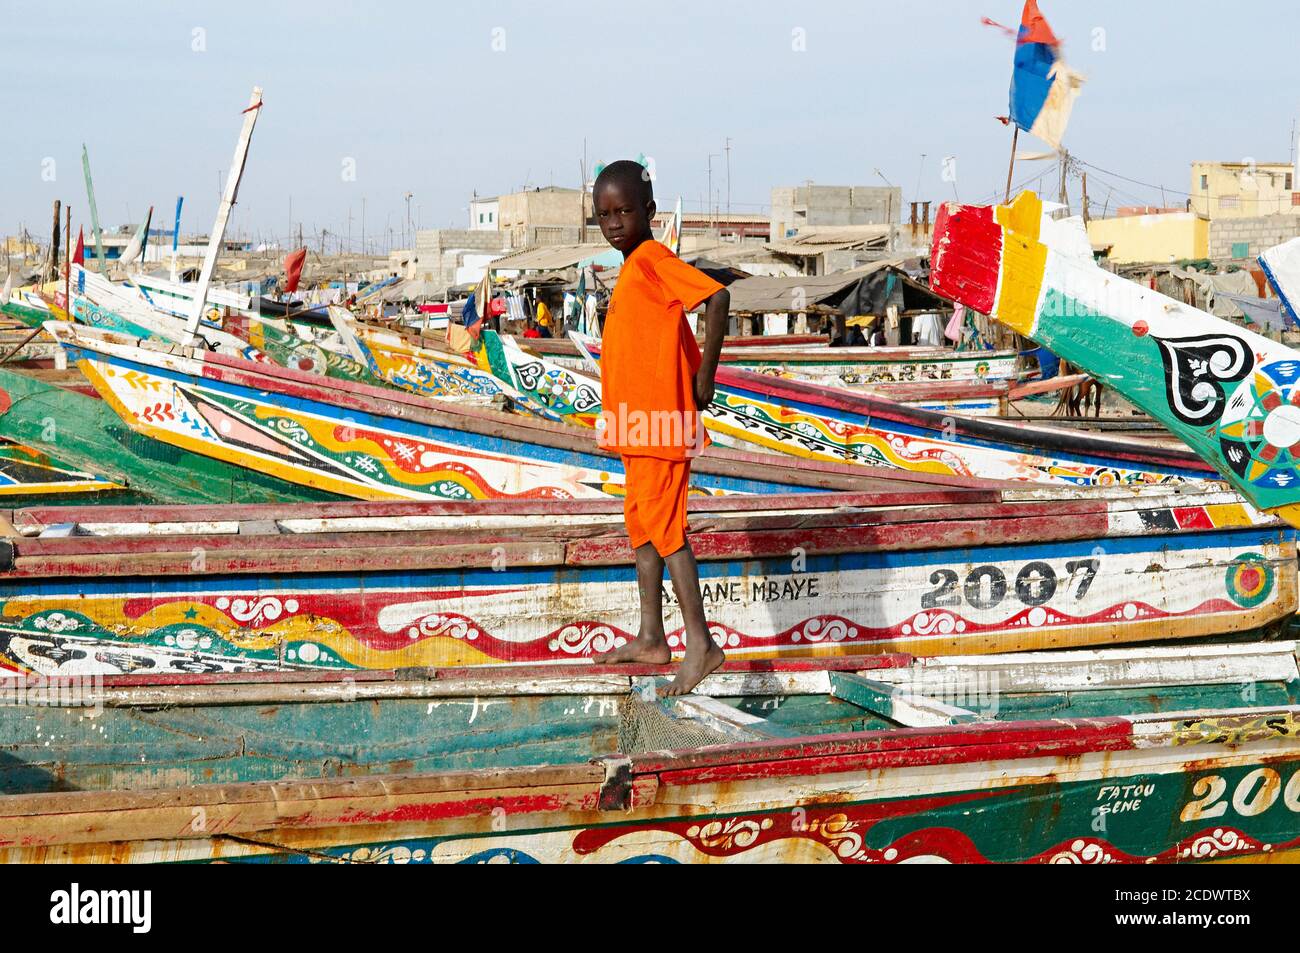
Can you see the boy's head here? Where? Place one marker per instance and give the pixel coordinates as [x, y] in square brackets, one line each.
[625, 203]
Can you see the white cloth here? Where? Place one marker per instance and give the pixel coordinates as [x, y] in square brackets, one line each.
[928, 329]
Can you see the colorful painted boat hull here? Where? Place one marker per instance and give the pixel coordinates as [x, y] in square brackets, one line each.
[28, 472]
[814, 422]
[1231, 395]
[353, 440]
[85, 433]
[797, 765]
[559, 584]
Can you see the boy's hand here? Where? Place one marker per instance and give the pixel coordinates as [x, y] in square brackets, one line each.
[703, 390]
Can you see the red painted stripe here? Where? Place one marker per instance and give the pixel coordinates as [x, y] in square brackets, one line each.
[952, 534]
[896, 747]
[1192, 517]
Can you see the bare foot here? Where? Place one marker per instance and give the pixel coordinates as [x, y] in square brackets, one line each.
[647, 649]
[694, 669]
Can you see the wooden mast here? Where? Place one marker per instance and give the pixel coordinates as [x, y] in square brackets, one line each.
[223, 214]
[101, 265]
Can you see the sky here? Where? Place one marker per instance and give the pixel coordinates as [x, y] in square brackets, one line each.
[366, 102]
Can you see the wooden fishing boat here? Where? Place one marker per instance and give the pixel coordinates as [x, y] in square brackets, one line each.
[374, 443]
[815, 422]
[854, 366]
[1231, 395]
[898, 567]
[30, 310]
[101, 304]
[809, 357]
[819, 423]
[395, 359]
[1120, 756]
[48, 411]
[968, 398]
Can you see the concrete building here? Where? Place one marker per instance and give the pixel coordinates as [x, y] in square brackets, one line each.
[441, 252]
[484, 213]
[1243, 189]
[547, 215]
[1157, 237]
[1243, 239]
[714, 226]
[803, 206]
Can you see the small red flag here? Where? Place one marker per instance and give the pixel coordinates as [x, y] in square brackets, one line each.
[293, 270]
[79, 256]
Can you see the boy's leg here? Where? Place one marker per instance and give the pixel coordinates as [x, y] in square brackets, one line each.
[702, 654]
[650, 644]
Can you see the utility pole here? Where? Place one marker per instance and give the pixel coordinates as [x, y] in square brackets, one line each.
[709, 210]
[1085, 198]
[1065, 168]
[727, 149]
[409, 240]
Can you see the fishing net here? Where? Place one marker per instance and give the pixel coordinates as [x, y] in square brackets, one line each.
[645, 726]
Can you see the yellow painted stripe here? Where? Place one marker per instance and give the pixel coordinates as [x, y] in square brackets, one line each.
[1290, 513]
[1228, 514]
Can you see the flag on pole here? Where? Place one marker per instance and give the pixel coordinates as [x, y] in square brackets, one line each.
[176, 229]
[672, 237]
[1043, 88]
[293, 270]
[479, 304]
[79, 256]
[135, 247]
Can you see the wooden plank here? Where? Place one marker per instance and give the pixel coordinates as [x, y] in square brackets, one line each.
[905, 708]
[732, 722]
[1103, 669]
[955, 534]
[1046, 386]
[30, 520]
[297, 560]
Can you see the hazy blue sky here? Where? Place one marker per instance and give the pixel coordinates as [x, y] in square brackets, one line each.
[416, 94]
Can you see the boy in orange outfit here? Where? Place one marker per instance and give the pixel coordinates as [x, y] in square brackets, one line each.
[654, 382]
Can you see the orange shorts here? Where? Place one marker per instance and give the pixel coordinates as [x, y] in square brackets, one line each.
[654, 507]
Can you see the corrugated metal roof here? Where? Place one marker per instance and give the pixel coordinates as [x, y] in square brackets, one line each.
[549, 257]
[766, 294]
[819, 240]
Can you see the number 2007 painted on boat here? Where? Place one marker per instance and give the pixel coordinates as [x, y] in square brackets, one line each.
[1035, 584]
[1255, 793]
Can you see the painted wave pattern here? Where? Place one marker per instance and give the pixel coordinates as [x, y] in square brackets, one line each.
[360, 624]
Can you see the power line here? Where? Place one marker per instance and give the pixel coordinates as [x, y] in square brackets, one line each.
[1158, 188]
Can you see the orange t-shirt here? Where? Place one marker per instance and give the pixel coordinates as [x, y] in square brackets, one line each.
[649, 357]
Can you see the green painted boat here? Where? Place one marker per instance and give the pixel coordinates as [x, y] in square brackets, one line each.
[86, 434]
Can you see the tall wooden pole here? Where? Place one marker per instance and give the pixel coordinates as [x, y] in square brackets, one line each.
[67, 261]
[52, 266]
[1015, 138]
[223, 214]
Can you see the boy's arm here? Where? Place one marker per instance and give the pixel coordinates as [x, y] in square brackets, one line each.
[717, 311]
